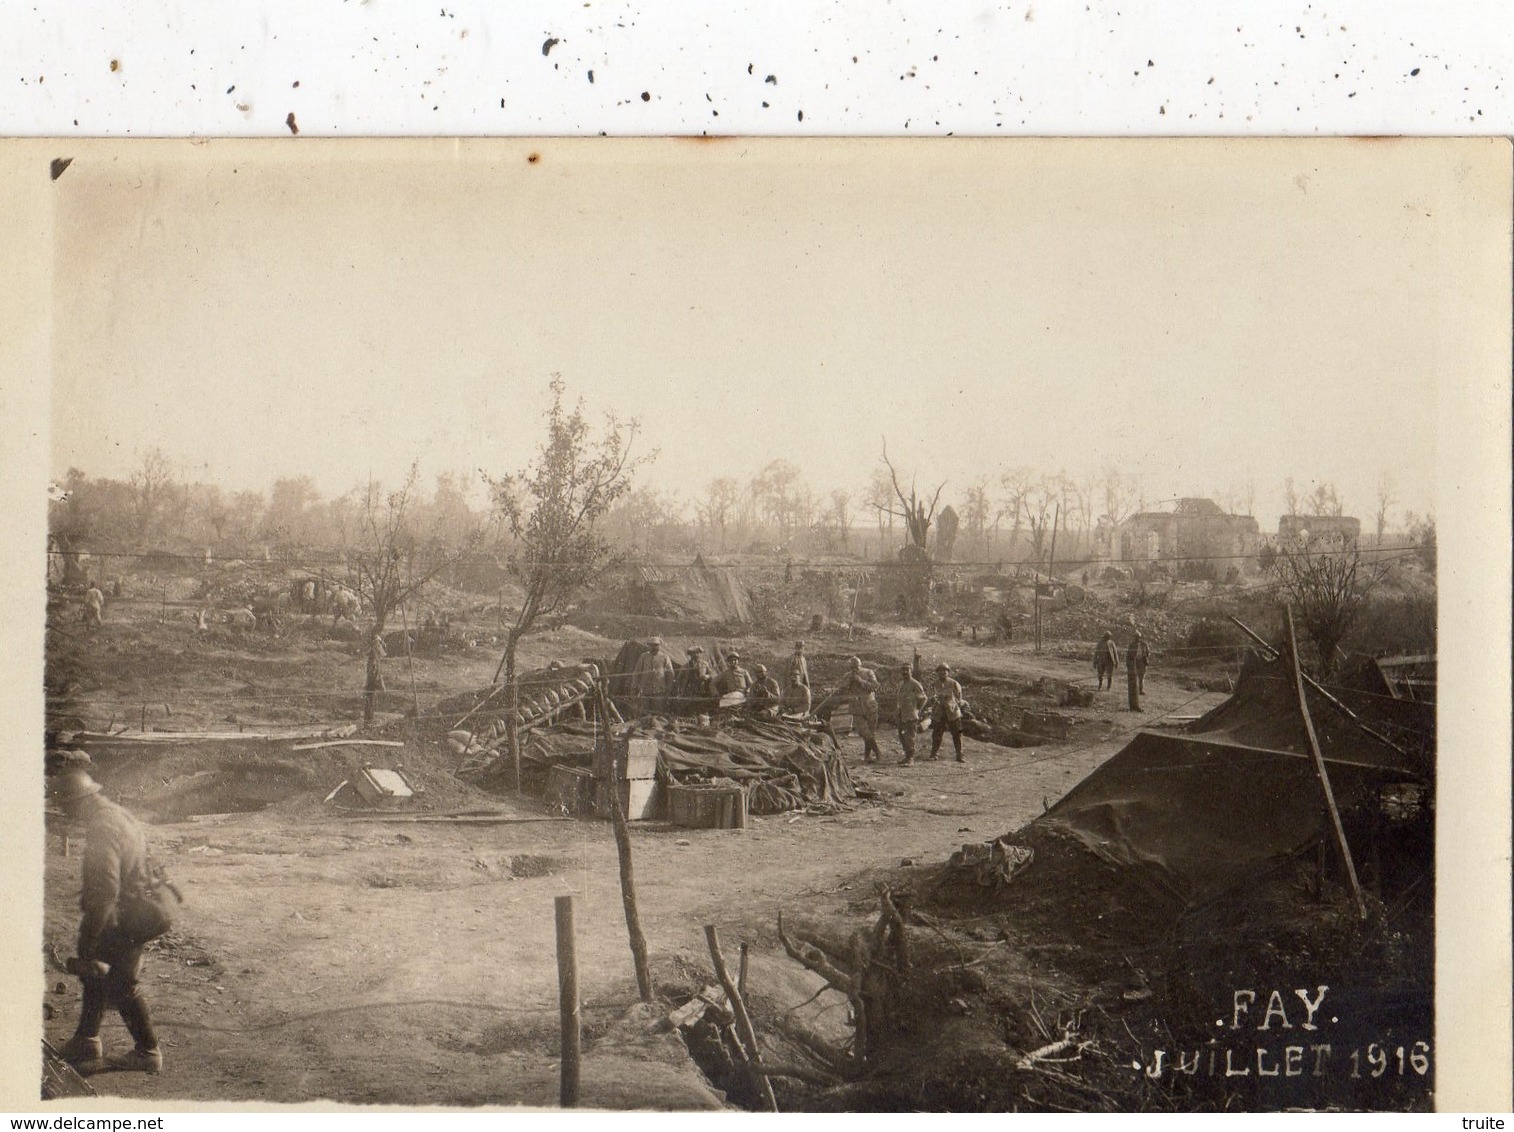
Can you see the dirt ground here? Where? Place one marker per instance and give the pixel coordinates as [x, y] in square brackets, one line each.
[323, 955]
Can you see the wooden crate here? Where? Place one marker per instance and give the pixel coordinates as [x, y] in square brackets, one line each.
[640, 798]
[380, 787]
[637, 758]
[707, 807]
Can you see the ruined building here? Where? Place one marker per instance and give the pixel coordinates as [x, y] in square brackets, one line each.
[1195, 531]
[1320, 528]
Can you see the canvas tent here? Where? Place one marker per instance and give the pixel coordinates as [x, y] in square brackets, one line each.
[1204, 810]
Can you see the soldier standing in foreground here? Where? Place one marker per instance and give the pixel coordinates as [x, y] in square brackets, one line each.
[109, 963]
[1136, 658]
[797, 698]
[861, 686]
[94, 606]
[764, 695]
[654, 679]
[910, 697]
[1106, 658]
[946, 712]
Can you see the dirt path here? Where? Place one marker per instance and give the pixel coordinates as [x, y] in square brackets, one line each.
[414, 963]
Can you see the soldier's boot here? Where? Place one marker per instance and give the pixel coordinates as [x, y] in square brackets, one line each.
[146, 1057]
[83, 1052]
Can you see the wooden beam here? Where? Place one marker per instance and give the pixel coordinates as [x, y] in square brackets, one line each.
[567, 1002]
[627, 877]
[1319, 769]
[744, 1030]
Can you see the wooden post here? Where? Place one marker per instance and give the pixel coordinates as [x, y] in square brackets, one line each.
[627, 877]
[567, 1001]
[741, 969]
[1319, 769]
[1050, 563]
[415, 701]
[744, 1031]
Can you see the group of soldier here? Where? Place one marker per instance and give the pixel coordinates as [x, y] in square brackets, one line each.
[1106, 658]
[658, 685]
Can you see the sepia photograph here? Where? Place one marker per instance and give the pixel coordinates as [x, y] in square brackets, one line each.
[666, 624]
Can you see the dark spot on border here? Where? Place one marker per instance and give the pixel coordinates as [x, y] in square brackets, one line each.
[289, 121]
[801, 115]
[533, 158]
[296, 84]
[552, 41]
[771, 79]
[1414, 72]
[61, 163]
[591, 74]
[646, 96]
[115, 65]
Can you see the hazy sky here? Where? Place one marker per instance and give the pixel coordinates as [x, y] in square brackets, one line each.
[1196, 313]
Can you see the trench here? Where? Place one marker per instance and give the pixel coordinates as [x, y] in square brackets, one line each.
[235, 790]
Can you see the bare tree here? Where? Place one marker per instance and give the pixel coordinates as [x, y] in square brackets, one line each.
[215, 511]
[916, 513]
[386, 572]
[840, 516]
[1040, 503]
[1085, 494]
[553, 510]
[1246, 496]
[1324, 500]
[977, 514]
[722, 496]
[1119, 495]
[1290, 496]
[1384, 501]
[879, 500]
[1017, 485]
[151, 483]
[1325, 578]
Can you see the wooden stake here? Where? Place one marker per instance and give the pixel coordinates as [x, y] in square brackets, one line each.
[627, 876]
[1319, 769]
[415, 701]
[741, 970]
[567, 1000]
[744, 1031]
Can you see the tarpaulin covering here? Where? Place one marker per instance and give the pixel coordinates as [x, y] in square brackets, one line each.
[1263, 712]
[780, 765]
[1201, 812]
[1198, 816]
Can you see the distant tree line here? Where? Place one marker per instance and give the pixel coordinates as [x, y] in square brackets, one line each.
[1008, 517]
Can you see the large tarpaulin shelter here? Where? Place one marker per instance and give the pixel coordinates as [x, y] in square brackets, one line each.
[1201, 811]
[779, 764]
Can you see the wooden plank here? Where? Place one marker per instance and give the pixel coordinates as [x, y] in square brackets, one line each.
[567, 1001]
[744, 1030]
[349, 743]
[1319, 769]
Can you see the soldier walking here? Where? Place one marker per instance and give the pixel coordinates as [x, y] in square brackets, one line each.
[109, 962]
